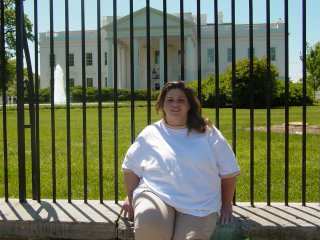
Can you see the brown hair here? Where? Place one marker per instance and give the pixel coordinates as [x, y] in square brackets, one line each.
[195, 121]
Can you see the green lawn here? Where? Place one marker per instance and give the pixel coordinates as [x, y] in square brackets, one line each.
[242, 152]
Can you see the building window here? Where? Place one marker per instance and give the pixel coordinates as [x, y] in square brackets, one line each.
[106, 82]
[179, 56]
[105, 58]
[71, 80]
[71, 59]
[229, 55]
[52, 60]
[210, 55]
[272, 53]
[89, 59]
[157, 57]
[89, 82]
[249, 52]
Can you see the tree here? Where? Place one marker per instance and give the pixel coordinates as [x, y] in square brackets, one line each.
[10, 27]
[313, 66]
[10, 39]
[11, 76]
[208, 91]
[260, 82]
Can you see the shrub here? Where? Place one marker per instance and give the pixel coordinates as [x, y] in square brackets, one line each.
[260, 82]
[76, 94]
[44, 95]
[208, 98]
[296, 94]
[124, 95]
[140, 94]
[91, 94]
[155, 94]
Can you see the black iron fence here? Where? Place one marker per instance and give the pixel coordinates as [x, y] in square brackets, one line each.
[22, 51]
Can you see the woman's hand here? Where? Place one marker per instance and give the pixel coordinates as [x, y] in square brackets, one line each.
[228, 186]
[131, 181]
[226, 213]
[128, 209]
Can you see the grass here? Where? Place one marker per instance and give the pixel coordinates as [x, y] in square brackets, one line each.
[124, 140]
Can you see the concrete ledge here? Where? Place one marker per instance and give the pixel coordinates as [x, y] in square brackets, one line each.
[272, 222]
[61, 220]
[77, 220]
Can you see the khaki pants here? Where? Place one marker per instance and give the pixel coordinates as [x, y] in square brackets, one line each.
[155, 220]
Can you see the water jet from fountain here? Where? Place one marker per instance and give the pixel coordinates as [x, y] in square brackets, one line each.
[59, 87]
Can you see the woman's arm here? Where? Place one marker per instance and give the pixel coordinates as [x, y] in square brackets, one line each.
[228, 186]
[131, 181]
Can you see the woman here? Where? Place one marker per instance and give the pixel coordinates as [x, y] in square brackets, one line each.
[179, 173]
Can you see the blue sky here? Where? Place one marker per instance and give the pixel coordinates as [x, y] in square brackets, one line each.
[207, 7]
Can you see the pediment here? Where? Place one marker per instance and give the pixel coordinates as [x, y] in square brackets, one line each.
[156, 20]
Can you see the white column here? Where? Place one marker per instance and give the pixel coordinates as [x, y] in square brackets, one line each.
[119, 65]
[136, 63]
[161, 50]
[123, 67]
[110, 65]
[172, 56]
[190, 67]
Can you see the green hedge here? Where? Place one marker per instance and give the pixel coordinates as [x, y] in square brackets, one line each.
[208, 97]
[92, 94]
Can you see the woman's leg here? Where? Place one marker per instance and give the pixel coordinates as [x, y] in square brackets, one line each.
[153, 219]
[192, 227]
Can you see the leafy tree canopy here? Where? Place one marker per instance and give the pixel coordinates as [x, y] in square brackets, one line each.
[313, 66]
[260, 82]
[10, 42]
[10, 27]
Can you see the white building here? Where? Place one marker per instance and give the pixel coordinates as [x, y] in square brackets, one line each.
[156, 51]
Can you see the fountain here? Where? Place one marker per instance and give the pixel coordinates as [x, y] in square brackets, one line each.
[59, 88]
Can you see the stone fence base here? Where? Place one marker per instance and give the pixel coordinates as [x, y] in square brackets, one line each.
[78, 220]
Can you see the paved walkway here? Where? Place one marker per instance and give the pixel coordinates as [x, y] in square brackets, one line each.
[77, 220]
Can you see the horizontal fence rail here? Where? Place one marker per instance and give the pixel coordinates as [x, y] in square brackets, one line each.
[30, 130]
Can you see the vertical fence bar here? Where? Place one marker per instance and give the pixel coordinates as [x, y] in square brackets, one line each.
[148, 61]
[68, 100]
[182, 39]
[199, 47]
[234, 104]
[30, 90]
[216, 60]
[132, 73]
[100, 102]
[251, 104]
[165, 43]
[269, 94]
[4, 104]
[84, 103]
[20, 101]
[53, 137]
[304, 105]
[286, 134]
[115, 87]
[37, 117]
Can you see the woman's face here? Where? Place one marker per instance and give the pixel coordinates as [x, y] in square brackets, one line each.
[176, 107]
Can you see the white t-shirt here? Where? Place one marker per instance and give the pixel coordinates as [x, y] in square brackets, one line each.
[183, 168]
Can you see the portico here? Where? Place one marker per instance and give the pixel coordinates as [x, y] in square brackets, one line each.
[157, 60]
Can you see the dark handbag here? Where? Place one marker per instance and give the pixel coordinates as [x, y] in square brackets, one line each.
[123, 228]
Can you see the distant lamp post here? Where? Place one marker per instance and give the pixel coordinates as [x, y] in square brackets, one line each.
[154, 74]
